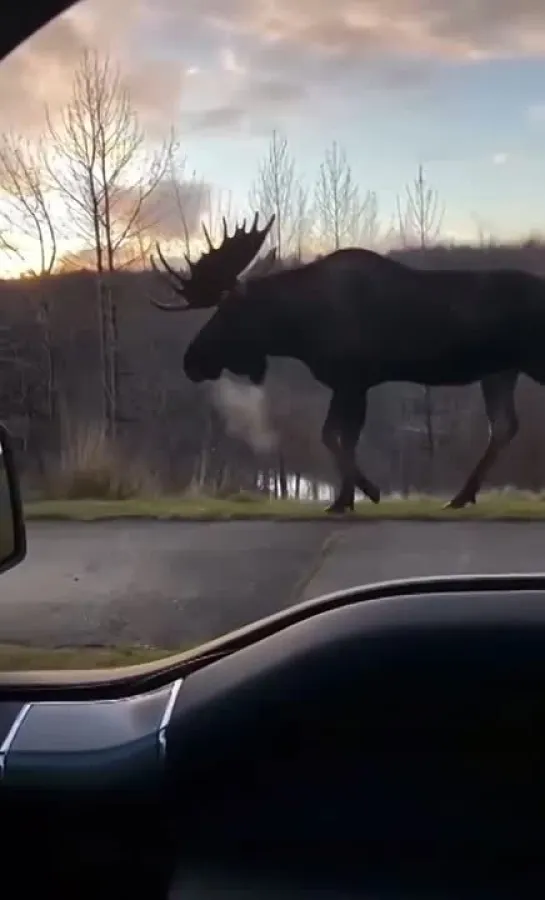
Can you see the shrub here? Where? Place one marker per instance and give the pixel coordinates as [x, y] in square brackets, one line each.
[92, 466]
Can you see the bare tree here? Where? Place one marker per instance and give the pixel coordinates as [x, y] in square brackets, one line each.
[484, 236]
[218, 205]
[302, 220]
[98, 162]
[342, 217]
[420, 221]
[177, 173]
[168, 219]
[369, 223]
[26, 203]
[420, 218]
[99, 167]
[26, 213]
[274, 192]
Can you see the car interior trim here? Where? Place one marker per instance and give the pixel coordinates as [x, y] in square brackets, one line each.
[167, 716]
[11, 735]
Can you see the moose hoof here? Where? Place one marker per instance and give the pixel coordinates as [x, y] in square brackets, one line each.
[460, 502]
[339, 509]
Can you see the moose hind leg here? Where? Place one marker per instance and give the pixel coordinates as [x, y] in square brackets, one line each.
[340, 434]
[499, 399]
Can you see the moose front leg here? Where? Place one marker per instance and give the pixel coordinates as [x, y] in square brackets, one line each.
[499, 400]
[340, 434]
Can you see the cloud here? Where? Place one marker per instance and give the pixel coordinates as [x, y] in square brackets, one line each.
[249, 108]
[173, 207]
[204, 55]
[536, 113]
[24, 87]
[274, 92]
[445, 29]
[230, 62]
[41, 71]
[172, 213]
[500, 159]
[217, 118]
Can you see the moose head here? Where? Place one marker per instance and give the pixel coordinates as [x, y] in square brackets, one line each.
[232, 338]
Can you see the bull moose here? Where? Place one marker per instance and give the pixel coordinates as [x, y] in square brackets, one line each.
[357, 319]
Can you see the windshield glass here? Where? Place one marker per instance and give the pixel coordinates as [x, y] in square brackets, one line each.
[314, 413]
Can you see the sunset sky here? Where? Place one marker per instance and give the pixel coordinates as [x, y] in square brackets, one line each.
[458, 85]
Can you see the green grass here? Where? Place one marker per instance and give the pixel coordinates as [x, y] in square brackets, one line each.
[493, 505]
[25, 658]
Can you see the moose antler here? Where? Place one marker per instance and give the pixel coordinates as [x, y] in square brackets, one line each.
[176, 281]
[217, 269]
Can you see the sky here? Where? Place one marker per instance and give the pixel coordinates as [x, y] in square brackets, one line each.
[455, 85]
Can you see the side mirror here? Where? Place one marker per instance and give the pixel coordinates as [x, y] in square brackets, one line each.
[12, 523]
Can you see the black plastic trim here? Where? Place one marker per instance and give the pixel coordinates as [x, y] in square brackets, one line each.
[26, 21]
[20, 548]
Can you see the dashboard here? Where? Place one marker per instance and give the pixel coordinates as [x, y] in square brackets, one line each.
[89, 746]
[395, 722]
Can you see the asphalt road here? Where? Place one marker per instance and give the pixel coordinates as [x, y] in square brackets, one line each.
[175, 584]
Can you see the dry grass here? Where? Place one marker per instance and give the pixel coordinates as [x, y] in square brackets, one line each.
[92, 466]
[94, 480]
[25, 658]
[493, 505]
